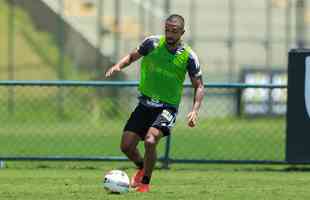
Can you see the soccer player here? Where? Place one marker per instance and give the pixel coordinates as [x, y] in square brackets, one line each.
[166, 60]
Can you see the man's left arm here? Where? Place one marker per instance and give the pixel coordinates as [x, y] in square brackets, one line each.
[198, 97]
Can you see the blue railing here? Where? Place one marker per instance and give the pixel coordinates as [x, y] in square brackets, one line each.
[166, 158]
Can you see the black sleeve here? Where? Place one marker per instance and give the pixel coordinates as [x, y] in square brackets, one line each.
[193, 66]
[148, 45]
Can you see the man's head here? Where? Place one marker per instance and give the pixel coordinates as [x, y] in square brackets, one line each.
[174, 29]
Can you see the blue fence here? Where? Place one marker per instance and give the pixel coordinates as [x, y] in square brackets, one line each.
[83, 121]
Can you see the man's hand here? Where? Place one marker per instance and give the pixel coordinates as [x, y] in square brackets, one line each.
[192, 118]
[199, 92]
[112, 70]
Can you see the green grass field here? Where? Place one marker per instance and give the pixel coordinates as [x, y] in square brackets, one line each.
[37, 130]
[82, 133]
[32, 180]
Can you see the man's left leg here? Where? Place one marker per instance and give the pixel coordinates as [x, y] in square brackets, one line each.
[151, 140]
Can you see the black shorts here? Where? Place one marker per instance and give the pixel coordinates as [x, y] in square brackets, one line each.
[143, 117]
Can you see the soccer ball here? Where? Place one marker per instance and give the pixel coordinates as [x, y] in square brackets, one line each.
[116, 181]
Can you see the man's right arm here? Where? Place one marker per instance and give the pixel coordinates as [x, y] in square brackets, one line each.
[124, 62]
[144, 49]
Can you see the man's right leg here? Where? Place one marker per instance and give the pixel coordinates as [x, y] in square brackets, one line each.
[129, 144]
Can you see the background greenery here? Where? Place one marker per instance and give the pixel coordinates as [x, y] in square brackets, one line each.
[35, 53]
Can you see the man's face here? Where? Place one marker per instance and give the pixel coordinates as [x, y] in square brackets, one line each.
[173, 32]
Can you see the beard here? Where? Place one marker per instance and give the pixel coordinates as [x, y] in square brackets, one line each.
[171, 41]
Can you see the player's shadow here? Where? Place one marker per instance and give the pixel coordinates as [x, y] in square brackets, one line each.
[114, 193]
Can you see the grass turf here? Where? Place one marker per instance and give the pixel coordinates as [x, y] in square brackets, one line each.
[80, 181]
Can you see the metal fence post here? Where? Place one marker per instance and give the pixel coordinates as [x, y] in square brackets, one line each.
[193, 21]
[61, 40]
[117, 12]
[167, 153]
[11, 55]
[61, 58]
[288, 24]
[231, 40]
[167, 7]
[300, 23]
[151, 18]
[142, 21]
[100, 32]
[268, 41]
[168, 140]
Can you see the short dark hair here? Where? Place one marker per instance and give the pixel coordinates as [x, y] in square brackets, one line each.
[178, 18]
